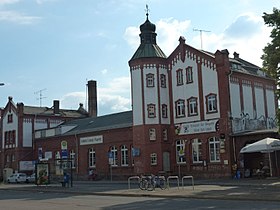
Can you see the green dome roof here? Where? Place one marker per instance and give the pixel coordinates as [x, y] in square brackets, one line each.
[148, 47]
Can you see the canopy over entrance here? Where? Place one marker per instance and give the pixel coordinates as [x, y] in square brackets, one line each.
[266, 145]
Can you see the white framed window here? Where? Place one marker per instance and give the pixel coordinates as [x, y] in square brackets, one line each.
[180, 108]
[211, 103]
[192, 106]
[72, 156]
[124, 155]
[163, 80]
[58, 157]
[7, 158]
[91, 158]
[152, 134]
[150, 80]
[189, 75]
[164, 111]
[114, 152]
[13, 158]
[197, 151]
[151, 110]
[153, 159]
[214, 149]
[180, 151]
[165, 134]
[179, 75]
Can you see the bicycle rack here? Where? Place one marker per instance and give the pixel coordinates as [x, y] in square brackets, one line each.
[172, 177]
[132, 177]
[187, 177]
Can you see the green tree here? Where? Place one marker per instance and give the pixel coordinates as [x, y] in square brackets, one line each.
[271, 53]
[271, 56]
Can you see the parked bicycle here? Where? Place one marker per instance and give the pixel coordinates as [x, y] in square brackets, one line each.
[151, 182]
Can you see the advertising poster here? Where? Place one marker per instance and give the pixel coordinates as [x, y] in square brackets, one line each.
[42, 173]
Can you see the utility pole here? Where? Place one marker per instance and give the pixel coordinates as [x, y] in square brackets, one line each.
[200, 31]
[40, 95]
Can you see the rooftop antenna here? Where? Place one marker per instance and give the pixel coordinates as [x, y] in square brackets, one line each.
[40, 95]
[200, 31]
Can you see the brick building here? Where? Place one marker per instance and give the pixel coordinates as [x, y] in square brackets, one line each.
[18, 123]
[191, 114]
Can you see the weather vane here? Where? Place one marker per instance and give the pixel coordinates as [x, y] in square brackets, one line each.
[147, 10]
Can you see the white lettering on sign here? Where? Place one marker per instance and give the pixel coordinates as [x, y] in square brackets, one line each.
[91, 140]
[196, 127]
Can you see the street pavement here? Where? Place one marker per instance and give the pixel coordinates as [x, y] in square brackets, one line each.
[243, 189]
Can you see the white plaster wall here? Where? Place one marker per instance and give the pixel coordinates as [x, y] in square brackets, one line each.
[259, 95]
[270, 103]
[137, 97]
[40, 124]
[10, 126]
[248, 100]
[235, 100]
[210, 85]
[151, 95]
[164, 96]
[185, 91]
[27, 134]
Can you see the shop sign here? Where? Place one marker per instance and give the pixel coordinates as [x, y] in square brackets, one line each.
[91, 140]
[196, 127]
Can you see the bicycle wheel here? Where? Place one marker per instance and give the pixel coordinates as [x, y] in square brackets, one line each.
[162, 184]
[143, 184]
[150, 186]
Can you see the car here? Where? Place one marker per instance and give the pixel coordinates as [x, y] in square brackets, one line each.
[31, 178]
[17, 178]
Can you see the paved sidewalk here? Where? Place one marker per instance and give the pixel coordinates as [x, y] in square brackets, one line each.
[243, 189]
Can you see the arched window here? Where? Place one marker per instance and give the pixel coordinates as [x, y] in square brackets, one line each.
[180, 151]
[124, 157]
[180, 108]
[214, 149]
[211, 103]
[197, 151]
[114, 152]
[91, 158]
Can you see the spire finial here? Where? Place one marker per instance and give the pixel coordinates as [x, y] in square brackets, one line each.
[147, 10]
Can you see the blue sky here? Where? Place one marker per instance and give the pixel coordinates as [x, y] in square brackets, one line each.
[58, 45]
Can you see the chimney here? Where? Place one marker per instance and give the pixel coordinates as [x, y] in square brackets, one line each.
[20, 109]
[236, 55]
[92, 98]
[56, 106]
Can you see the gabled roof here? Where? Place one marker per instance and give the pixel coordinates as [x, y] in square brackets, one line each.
[32, 110]
[106, 122]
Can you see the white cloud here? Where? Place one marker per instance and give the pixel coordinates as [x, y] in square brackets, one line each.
[2, 2]
[104, 71]
[247, 35]
[72, 100]
[131, 35]
[114, 98]
[168, 30]
[16, 17]
[44, 1]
